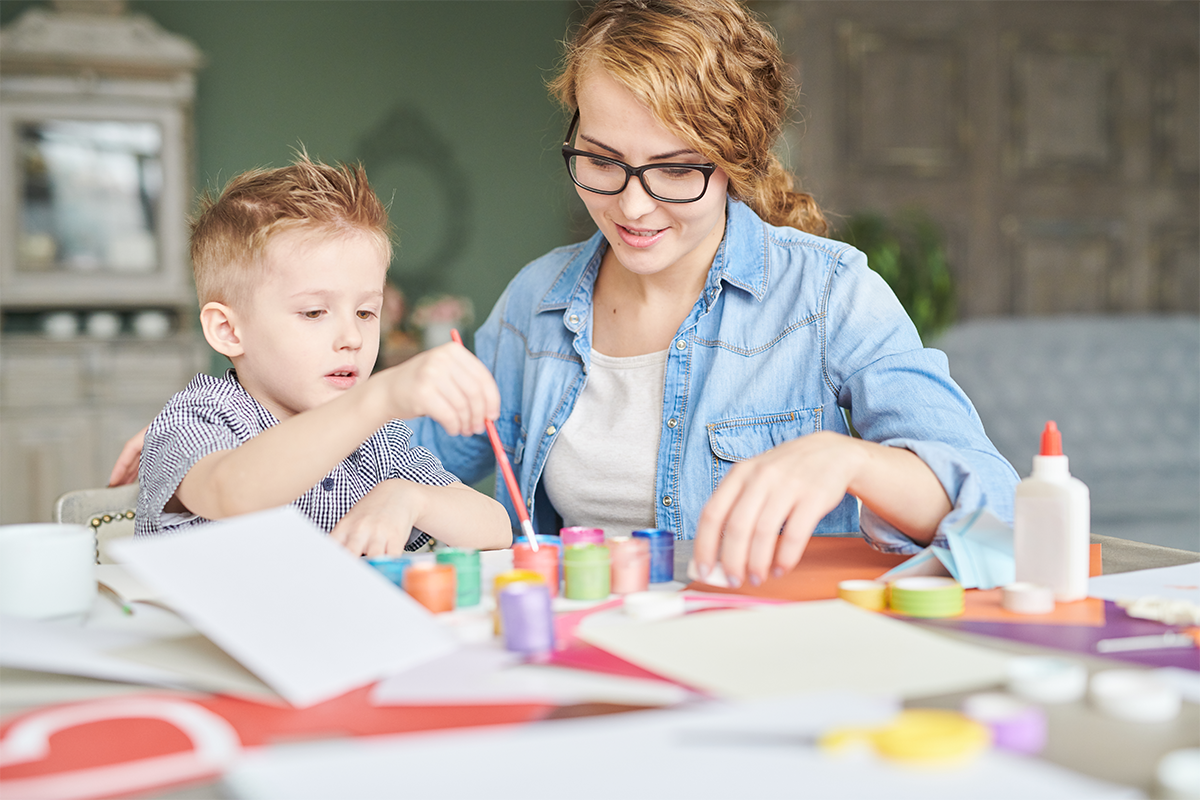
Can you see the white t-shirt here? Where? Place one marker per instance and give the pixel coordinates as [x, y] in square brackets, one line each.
[602, 468]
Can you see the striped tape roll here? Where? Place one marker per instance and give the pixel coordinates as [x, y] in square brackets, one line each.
[928, 597]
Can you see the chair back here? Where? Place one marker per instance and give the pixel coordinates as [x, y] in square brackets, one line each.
[108, 512]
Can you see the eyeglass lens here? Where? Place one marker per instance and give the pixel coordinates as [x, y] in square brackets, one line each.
[669, 183]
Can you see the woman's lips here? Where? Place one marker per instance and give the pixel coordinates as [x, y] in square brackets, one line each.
[640, 237]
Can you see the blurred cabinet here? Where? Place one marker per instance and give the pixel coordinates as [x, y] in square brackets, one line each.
[96, 297]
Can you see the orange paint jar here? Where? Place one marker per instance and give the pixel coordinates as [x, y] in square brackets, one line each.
[432, 585]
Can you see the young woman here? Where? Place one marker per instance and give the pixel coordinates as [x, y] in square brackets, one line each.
[693, 364]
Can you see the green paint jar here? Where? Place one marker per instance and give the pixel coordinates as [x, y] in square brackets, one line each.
[466, 571]
[586, 568]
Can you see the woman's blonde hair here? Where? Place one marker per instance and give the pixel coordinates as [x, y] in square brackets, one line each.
[710, 72]
[230, 232]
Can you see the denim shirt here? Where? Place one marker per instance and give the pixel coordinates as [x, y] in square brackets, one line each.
[790, 331]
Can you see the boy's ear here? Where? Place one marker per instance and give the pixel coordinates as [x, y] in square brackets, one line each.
[219, 323]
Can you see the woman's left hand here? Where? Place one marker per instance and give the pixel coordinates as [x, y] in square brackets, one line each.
[791, 487]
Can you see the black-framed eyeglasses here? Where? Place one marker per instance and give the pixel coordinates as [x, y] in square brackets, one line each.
[668, 183]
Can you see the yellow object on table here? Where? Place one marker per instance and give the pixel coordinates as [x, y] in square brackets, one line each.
[923, 736]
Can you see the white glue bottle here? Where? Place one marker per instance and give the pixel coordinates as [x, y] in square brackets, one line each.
[1052, 524]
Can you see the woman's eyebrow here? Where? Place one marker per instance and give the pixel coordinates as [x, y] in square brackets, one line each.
[660, 157]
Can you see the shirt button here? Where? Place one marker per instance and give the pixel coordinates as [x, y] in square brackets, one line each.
[516, 419]
[672, 422]
[574, 319]
[529, 502]
[666, 500]
[327, 484]
[550, 431]
[680, 344]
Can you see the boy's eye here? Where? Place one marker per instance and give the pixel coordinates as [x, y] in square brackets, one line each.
[366, 313]
[313, 314]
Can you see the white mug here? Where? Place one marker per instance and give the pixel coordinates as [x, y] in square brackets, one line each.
[46, 569]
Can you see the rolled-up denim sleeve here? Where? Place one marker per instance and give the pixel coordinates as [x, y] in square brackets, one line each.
[900, 394]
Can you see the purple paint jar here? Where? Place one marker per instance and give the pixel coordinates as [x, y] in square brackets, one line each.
[662, 553]
[528, 620]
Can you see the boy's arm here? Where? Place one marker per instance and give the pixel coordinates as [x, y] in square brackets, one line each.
[446, 383]
[456, 515]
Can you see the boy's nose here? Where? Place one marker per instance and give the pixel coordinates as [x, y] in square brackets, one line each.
[349, 336]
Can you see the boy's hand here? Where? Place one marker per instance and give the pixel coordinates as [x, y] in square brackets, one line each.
[382, 521]
[448, 384]
[125, 471]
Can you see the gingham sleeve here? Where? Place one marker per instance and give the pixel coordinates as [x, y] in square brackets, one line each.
[209, 415]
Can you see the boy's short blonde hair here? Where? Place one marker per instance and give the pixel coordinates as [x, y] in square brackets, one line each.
[230, 233]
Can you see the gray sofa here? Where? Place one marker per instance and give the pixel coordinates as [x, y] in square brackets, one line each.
[1124, 391]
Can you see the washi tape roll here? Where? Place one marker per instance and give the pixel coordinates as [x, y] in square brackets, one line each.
[647, 606]
[927, 736]
[1015, 725]
[928, 597]
[871, 595]
[1027, 598]
[1135, 696]
[1047, 679]
[1177, 775]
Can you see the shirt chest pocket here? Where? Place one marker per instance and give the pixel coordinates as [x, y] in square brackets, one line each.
[734, 440]
[512, 435]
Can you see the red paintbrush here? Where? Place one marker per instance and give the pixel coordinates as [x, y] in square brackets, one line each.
[510, 480]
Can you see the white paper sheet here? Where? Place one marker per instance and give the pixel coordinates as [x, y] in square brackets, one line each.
[291, 605]
[479, 674]
[760, 750]
[766, 651]
[1181, 582]
[74, 650]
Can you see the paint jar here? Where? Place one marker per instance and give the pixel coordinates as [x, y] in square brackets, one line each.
[392, 567]
[630, 564]
[662, 553]
[570, 536]
[466, 573]
[432, 585]
[546, 541]
[588, 572]
[528, 620]
[505, 579]
[543, 561]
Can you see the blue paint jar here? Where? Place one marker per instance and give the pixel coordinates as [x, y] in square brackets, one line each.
[392, 567]
[662, 553]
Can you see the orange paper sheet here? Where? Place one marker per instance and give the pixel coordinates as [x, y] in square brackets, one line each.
[830, 559]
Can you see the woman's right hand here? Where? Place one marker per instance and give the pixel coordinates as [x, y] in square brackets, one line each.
[125, 471]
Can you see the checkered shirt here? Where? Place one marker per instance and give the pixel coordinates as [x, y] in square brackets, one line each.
[213, 414]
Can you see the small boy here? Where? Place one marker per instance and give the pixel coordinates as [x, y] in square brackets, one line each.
[290, 267]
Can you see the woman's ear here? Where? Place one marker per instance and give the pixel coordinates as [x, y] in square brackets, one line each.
[219, 323]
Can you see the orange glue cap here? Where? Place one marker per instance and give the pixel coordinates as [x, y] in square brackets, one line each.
[1051, 440]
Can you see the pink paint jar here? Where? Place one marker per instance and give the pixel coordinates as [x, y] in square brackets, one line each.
[572, 536]
[630, 564]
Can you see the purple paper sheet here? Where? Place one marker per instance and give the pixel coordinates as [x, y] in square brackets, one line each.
[1083, 638]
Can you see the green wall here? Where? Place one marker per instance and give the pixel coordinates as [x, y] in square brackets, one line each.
[470, 158]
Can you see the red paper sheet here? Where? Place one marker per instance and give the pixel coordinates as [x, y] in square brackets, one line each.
[116, 747]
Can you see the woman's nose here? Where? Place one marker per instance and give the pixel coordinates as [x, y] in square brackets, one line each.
[634, 201]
